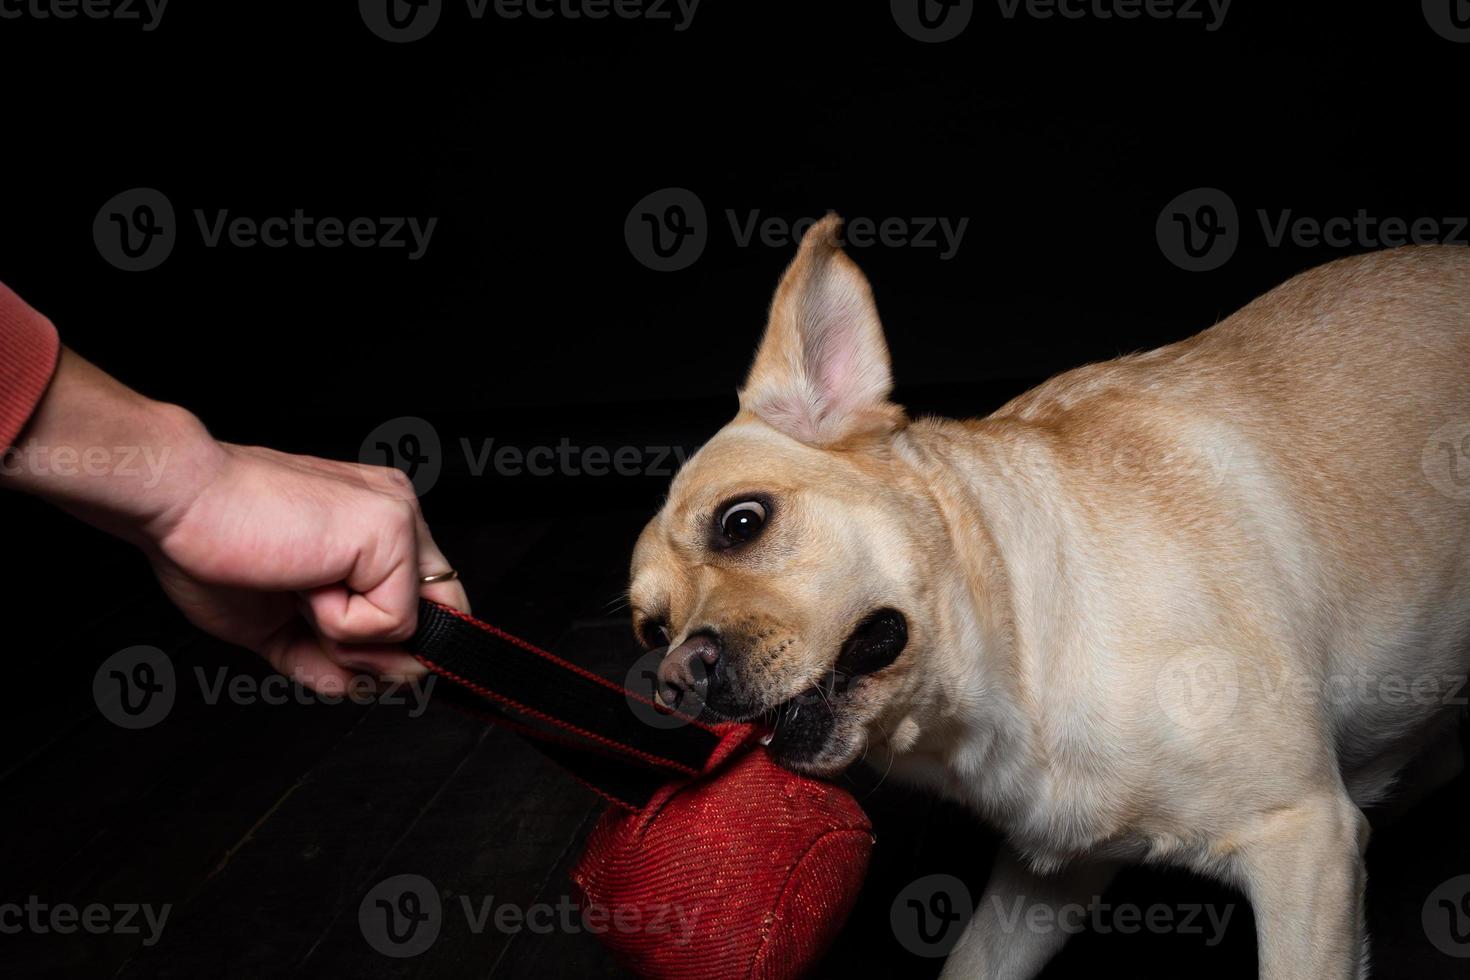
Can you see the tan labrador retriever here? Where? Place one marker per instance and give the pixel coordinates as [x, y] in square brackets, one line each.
[1195, 606]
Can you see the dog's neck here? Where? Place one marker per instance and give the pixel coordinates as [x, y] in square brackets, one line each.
[1005, 594]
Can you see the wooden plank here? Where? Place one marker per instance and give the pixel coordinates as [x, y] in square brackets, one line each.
[263, 909]
[142, 816]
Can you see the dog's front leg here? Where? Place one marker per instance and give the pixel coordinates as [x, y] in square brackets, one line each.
[1303, 869]
[1006, 939]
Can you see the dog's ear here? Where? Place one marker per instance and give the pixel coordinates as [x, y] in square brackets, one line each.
[822, 374]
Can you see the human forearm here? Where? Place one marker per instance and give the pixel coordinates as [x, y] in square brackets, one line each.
[109, 455]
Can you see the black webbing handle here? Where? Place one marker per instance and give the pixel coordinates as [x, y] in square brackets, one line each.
[594, 732]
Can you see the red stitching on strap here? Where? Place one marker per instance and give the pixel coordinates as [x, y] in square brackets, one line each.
[526, 731]
[532, 648]
[485, 692]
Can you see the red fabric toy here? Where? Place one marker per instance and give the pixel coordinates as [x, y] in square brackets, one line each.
[713, 862]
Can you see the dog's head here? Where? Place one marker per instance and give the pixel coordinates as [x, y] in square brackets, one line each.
[788, 570]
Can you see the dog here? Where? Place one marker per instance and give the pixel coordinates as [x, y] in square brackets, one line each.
[1196, 606]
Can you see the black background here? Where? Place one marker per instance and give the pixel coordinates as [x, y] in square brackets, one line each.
[529, 319]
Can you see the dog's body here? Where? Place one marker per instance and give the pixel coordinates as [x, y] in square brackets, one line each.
[1197, 605]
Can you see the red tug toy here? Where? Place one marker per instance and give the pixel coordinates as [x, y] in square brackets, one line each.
[712, 861]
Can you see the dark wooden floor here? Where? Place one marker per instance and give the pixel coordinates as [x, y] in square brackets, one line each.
[264, 825]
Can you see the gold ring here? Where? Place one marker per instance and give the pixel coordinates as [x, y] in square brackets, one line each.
[448, 576]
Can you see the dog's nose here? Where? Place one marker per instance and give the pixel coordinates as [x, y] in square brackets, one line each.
[686, 674]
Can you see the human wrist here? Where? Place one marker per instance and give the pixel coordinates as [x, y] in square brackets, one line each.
[187, 461]
[111, 456]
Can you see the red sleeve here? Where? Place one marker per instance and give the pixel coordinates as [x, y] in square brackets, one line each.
[28, 349]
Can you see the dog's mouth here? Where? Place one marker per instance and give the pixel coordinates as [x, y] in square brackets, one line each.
[801, 727]
[785, 721]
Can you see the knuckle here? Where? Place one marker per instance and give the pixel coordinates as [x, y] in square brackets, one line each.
[398, 481]
[331, 628]
[406, 522]
[400, 628]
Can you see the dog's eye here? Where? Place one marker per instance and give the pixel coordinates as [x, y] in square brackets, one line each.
[743, 521]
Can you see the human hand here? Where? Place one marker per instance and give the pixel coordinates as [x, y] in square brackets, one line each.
[312, 563]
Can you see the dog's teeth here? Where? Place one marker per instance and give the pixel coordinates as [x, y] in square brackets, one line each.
[766, 739]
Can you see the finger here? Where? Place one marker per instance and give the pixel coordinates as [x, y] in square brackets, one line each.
[383, 662]
[377, 601]
[431, 559]
[432, 562]
[297, 653]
